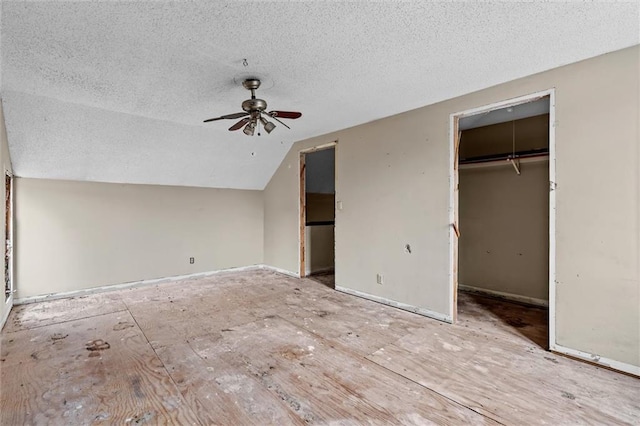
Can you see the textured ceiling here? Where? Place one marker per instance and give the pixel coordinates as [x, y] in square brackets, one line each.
[117, 91]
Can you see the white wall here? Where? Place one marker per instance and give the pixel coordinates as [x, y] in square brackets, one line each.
[504, 226]
[78, 235]
[393, 181]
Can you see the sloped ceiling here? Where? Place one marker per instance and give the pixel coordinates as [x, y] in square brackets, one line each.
[117, 91]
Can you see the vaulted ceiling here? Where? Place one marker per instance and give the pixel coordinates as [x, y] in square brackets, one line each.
[117, 91]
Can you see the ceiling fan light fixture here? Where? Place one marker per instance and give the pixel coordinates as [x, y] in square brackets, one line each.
[268, 126]
[249, 128]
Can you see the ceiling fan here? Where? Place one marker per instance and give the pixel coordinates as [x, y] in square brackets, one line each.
[254, 113]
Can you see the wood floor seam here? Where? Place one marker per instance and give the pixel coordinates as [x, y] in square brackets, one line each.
[339, 347]
[335, 344]
[64, 322]
[436, 392]
[150, 345]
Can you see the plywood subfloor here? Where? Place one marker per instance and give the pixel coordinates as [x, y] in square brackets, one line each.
[261, 348]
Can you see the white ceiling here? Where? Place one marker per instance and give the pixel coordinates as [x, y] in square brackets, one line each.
[117, 91]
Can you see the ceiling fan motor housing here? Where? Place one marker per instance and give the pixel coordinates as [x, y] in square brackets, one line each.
[254, 105]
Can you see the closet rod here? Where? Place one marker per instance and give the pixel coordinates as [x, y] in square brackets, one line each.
[502, 163]
[505, 157]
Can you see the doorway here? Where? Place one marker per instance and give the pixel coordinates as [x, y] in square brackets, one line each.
[317, 214]
[502, 215]
[8, 232]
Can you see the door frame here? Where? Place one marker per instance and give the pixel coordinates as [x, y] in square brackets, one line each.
[302, 207]
[8, 176]
[454, 233]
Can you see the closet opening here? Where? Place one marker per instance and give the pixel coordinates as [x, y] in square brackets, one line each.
[502, 215]
[317, 214]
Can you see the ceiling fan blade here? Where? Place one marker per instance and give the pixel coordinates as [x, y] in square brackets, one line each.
[228, 116]
[285, 114]
[239, 124]
[275, 118]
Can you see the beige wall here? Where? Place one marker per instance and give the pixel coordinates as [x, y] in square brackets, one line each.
[504, 226]
[77, 235]
[392, 176]
[5, 166]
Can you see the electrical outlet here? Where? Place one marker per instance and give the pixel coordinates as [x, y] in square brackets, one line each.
[379, 279]
[192, 260]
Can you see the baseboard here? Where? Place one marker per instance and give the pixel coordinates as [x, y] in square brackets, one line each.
[631, 369]
[507, 296]
[142, 283]
[399, 305]
[8, 304]
[133, 284]
[280, 271]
